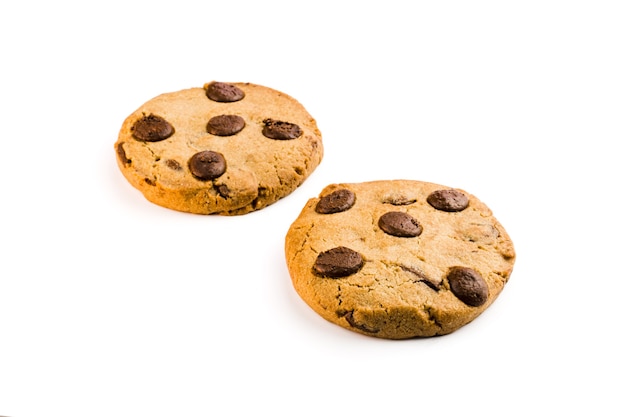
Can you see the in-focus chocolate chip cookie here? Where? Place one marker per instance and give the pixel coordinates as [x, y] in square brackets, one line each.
[398, 259]
[226, 148]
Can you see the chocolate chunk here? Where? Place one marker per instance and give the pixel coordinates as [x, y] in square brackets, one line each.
[224, 93]
[448, 200]
[225, 125]
[335, 202]
[338, 262]
[399, 224]
[223, 190]
[207, 165]
[121, 154]
[152, 128]
[173, 164]
[275, 129]
[468, 286]
[349, 316]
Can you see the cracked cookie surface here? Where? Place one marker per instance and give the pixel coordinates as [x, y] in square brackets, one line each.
[224, 148]
[398, 259]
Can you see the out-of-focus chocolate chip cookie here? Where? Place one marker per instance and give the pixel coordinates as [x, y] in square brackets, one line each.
[226, 148]
[398, 259]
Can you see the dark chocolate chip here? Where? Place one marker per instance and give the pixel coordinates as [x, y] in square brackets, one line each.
[349, 316]
[207, 165]
[173, 164]
[223, 190]
[335, 202]
[448, 200]
[275, 129]
[149, 181]
[152, 128]
[338, 262]
[121, 154]
[468, 286]
[225, 125]
[397, 223]
[224, 93]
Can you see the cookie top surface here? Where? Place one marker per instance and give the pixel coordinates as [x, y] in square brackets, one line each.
[226, 148]
[398, 259]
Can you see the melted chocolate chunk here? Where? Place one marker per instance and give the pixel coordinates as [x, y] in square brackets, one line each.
[223, 190]
[173, 164]
[399, 224]
[349, 316]
[207, 165]
[468, 286]
[338, 262]
[335, 202]
[448, 200]
[121, 154]
[152, 128]
[275, 129]
[225, 125]
[224, 93]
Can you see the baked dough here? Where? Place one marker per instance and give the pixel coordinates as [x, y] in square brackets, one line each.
[398, 259]
[226, 148]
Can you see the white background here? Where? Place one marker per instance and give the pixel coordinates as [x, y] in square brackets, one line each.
[112, 306]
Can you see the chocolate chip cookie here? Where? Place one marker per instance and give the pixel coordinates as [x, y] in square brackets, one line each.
[225, 148]
[398, 259]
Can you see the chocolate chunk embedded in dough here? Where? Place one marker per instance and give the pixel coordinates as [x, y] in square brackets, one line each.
[338, 262]
[399, 224]
[207, 165]
[152, 128]
[448, 200]
[121, 154]
[276, 129]
[335, 202]
[224, 93]
[173, 164]
[225, 125]
[468, 286]
[349, 315]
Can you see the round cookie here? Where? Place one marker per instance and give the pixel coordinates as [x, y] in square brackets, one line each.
[398, 259]
[226, 148]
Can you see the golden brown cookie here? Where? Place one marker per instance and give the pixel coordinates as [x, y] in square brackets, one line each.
[226, 148]
[398, 259]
